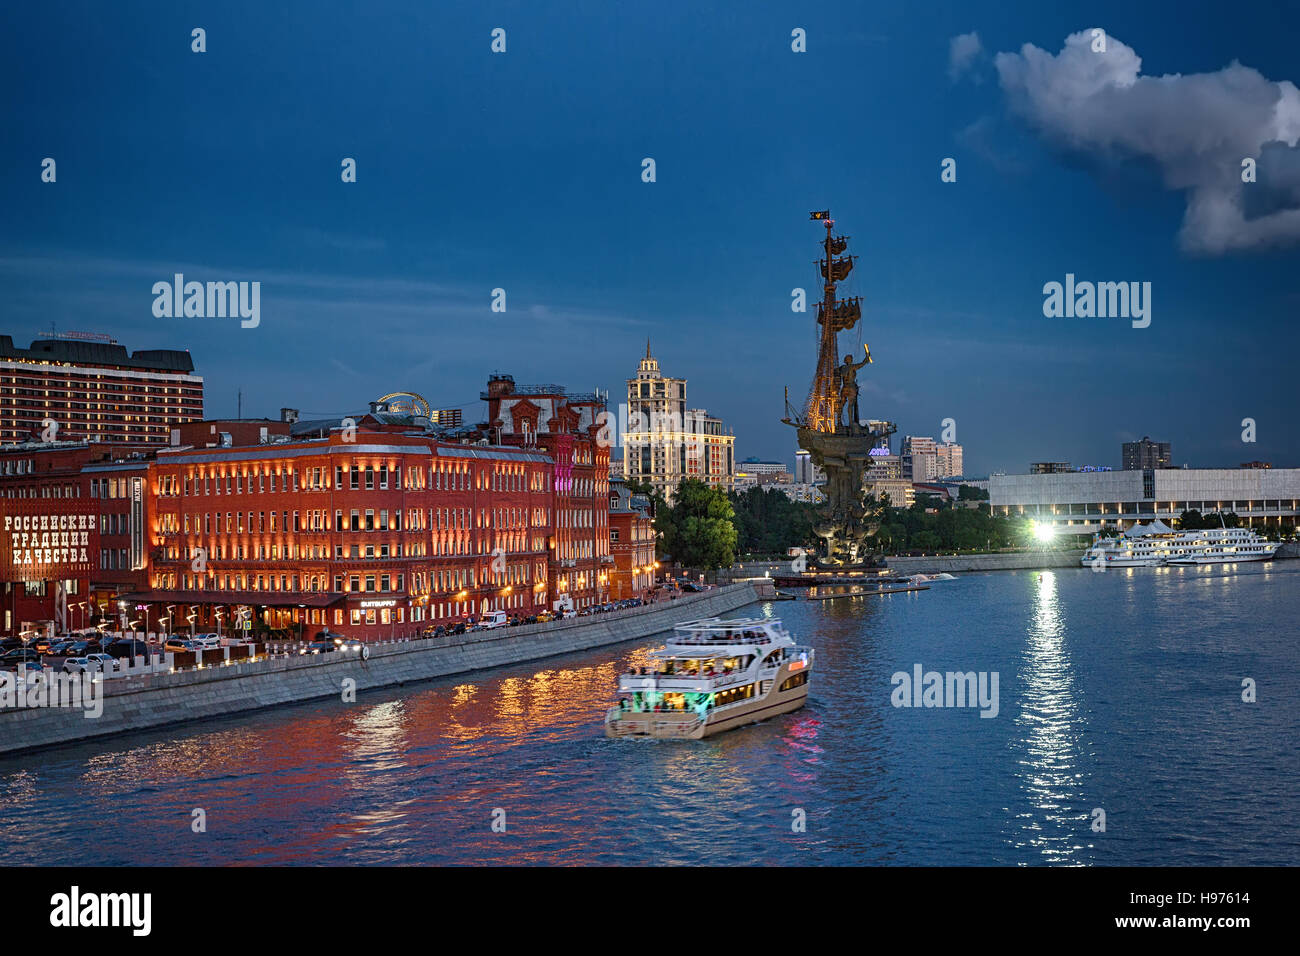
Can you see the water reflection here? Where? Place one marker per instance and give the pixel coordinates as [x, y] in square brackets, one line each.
[1050, 725]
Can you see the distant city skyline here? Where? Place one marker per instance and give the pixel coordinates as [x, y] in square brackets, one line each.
[522, 172]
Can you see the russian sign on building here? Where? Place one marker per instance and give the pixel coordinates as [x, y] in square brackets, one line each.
[47, 539]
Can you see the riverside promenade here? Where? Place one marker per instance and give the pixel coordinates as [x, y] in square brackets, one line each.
[159, 699]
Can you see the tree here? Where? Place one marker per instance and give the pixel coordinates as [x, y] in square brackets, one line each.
[698, 529]
[768, 522]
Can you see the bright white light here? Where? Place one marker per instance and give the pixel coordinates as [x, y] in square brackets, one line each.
[1043, 532]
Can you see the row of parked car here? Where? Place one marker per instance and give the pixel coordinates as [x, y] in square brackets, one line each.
[93, 651]
[87, 652]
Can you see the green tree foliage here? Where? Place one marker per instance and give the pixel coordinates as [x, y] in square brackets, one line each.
[948, 528]
[768, 522]
[1193, 520]
[697, 530]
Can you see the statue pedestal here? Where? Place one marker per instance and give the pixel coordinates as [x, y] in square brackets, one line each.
[844, 524]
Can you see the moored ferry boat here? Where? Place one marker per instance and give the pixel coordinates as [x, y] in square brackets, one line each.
[1157, 544]
[713, 675]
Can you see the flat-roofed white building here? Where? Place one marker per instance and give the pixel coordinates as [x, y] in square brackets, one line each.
[1083, 502]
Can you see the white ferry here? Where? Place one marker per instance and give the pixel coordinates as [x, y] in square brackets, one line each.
[712, 676]
[1156, 544]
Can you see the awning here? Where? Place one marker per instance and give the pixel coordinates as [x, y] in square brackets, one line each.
[312, 599]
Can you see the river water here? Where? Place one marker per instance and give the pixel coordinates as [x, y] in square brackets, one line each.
[1119, 691]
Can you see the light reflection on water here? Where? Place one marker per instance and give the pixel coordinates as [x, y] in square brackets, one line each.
[1050, 728]
[1097, 708]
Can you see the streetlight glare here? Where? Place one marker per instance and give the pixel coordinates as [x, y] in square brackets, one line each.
[1043, 532]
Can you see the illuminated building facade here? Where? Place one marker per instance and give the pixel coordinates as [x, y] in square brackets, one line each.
[632, 542]
[91, 389]
[373, 533]
[69, 480]
[376, 530]
[567, 428]
[665, 441]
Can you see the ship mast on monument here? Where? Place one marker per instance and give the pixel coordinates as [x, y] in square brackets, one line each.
[829, 424]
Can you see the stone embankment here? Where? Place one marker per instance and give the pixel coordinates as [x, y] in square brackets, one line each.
[160, 699]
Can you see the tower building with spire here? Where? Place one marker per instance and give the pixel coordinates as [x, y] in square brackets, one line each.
[665, 441]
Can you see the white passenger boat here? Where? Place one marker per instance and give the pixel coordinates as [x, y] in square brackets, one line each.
[1157, 544]
[713, 675]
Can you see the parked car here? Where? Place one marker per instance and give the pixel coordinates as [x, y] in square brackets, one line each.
[180, 644]
[494, 619]
[19, 654]
[60, 648]
[206, 641]
[458, 627]
[82, 648]
[127, 647]
[90, 664]
[319, 647]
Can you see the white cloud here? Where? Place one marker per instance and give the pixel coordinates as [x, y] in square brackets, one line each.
[962, 51]
[1196, 128]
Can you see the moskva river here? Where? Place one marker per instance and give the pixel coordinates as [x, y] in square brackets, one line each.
[1118, 735]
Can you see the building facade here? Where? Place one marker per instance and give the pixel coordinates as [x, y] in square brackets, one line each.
[665, 442]
[884, 478]
[632, 543]
[90, 389]
[376, 530]
[1086, 502]
[567, 428]
[1145, 453]
[924, 459]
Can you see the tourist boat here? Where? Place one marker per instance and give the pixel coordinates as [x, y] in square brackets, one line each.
[1225, 546]
[1156, 544]
[713, 675]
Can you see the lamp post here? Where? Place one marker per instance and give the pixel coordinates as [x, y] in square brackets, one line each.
[192, 617]
[219, 613]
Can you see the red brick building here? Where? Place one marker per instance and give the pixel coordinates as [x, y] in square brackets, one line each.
[374, 530]
[567, 428]
[632, 542]
[72, 479]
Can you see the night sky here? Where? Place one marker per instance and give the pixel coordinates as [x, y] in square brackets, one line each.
[523, 171]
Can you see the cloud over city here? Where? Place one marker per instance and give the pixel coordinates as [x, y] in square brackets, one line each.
[1195, 128]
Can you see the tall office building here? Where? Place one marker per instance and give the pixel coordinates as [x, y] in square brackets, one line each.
[81, 387]
[924, 459]
[1145, 453]
[665, 441]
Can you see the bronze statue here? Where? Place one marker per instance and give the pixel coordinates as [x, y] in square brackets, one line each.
[848, 379]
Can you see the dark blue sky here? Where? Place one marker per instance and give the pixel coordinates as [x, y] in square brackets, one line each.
[522, 171]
